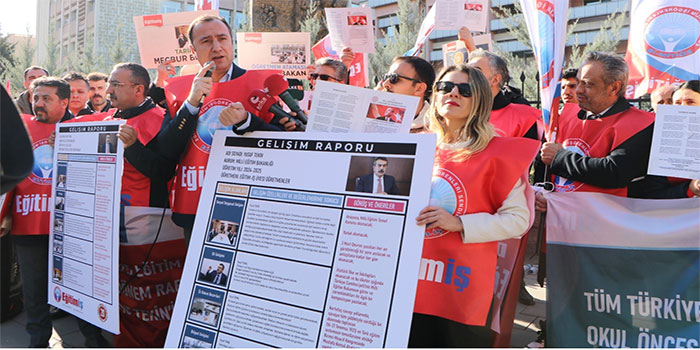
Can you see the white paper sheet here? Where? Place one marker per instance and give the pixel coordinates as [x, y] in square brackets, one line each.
[351, 27]
[84, 239]
[675, 147]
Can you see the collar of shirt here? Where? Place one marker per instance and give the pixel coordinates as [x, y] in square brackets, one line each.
[228, 75]
[619, 106]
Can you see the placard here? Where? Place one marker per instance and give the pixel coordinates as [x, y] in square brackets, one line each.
[288, 52]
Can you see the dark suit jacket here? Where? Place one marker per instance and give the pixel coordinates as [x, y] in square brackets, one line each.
[365, 183]
[106, 147]
[211, 275]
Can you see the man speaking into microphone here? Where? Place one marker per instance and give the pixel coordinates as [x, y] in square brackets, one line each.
[190, 133]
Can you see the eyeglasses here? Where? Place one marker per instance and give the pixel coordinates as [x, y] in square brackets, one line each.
[118, 84]
[324, 77]
[446, 87]
[393, 78]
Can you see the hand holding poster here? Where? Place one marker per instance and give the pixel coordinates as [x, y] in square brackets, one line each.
[163, 37]
[345, 108]
[84, 237]
[675, 149]
[288, 52]
[284, 255]
[351, 27]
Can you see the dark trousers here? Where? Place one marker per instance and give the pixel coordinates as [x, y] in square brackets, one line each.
[33, 259]
[437, 332]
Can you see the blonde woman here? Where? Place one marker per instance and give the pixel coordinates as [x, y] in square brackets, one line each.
[478, 197]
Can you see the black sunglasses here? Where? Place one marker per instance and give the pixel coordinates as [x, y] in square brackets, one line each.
[393, 78]
[446, 87]
[324, 77]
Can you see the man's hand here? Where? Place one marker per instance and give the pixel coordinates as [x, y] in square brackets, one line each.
[540, 202]
[347, 57]
[233, 114]
[52, 138]
[127, 134]
[201, 85]
[288, 124]
[165, 71]
[434, 216]
[5, 225]
[548, 151]
[694, 187]
[466, 36]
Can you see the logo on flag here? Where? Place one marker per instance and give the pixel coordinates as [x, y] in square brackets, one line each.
[672, 32]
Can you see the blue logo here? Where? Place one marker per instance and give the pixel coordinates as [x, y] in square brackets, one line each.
[672, 32]
[57, 294]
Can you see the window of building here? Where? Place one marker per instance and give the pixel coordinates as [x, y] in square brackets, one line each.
[90, 6]
[189, 7]
[169, 6]
[391, 31]
[241, 20]
[225, 14]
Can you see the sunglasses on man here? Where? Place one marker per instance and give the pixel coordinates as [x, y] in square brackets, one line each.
[393, 78]
[324, 77]
[446, 87]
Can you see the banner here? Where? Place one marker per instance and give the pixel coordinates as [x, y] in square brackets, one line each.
[163, 37]
[663, 45]
[622, 272]
[426, 28]
[200, 5]
[288, 52]
[546, 22]
[359, 74]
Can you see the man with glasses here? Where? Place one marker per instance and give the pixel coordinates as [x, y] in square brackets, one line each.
[328, 69]
[144, 193]
[411, 76]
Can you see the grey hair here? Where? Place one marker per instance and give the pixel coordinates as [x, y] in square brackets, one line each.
[341, 72]
[497, 64]
[614, 68]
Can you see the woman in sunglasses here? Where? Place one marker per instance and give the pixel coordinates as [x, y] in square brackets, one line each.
[478, 198]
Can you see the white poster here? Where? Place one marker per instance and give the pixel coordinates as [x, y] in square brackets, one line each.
[454, 14]
[345, 108]
[675, 146]
[351, 27]
[293, 246]
[288, 52]
[163, 37]
[84, 239]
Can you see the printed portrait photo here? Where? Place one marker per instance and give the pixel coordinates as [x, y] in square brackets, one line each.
[181, 36]
[380, 175]
[385, 113]
[107, 142]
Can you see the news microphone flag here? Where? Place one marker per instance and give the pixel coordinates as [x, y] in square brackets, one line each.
[546, 24]
[663, 46]
[425, 29]
[200, 5]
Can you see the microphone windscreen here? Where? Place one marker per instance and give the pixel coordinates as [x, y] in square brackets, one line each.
[261, 102]
[276, 84]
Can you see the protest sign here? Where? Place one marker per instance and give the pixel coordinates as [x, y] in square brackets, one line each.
[359, 73]
[454, 53]
[351, 27]
[454, 14]
[663, 46]
[345, 108]
[292, 248]
[84, 238]
[288, 52]
[675, 148]
[163, 37]
[622, 272]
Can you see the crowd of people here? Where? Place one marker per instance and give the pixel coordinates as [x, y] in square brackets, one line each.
[487, 135]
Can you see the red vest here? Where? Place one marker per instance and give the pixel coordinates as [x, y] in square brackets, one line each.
[456, 280]
[596, 138]
[136, 187]
[31, 199]
[190, 176]
[514, 120]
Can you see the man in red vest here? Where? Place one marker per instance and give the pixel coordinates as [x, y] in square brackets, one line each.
[603, 143]
[30, 208]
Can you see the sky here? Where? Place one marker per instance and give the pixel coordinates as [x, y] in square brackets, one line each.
[16, 16]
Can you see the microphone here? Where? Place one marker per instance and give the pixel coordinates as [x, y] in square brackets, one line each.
[206, 75]
[266, 107]
[278, 85]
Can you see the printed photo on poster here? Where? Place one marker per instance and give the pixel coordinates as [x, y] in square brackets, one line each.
[107, 142]
[206, 306]
[58, 222]
[215, 267]
[57, 271]
[181, 35]
[380, 175]
[288, 53]
[60, 201]
[385, 113]
[197, 338]
[360, 20]
[58, 244]
[225, 221]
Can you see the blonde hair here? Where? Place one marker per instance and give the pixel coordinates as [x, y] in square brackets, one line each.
[477, 132]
